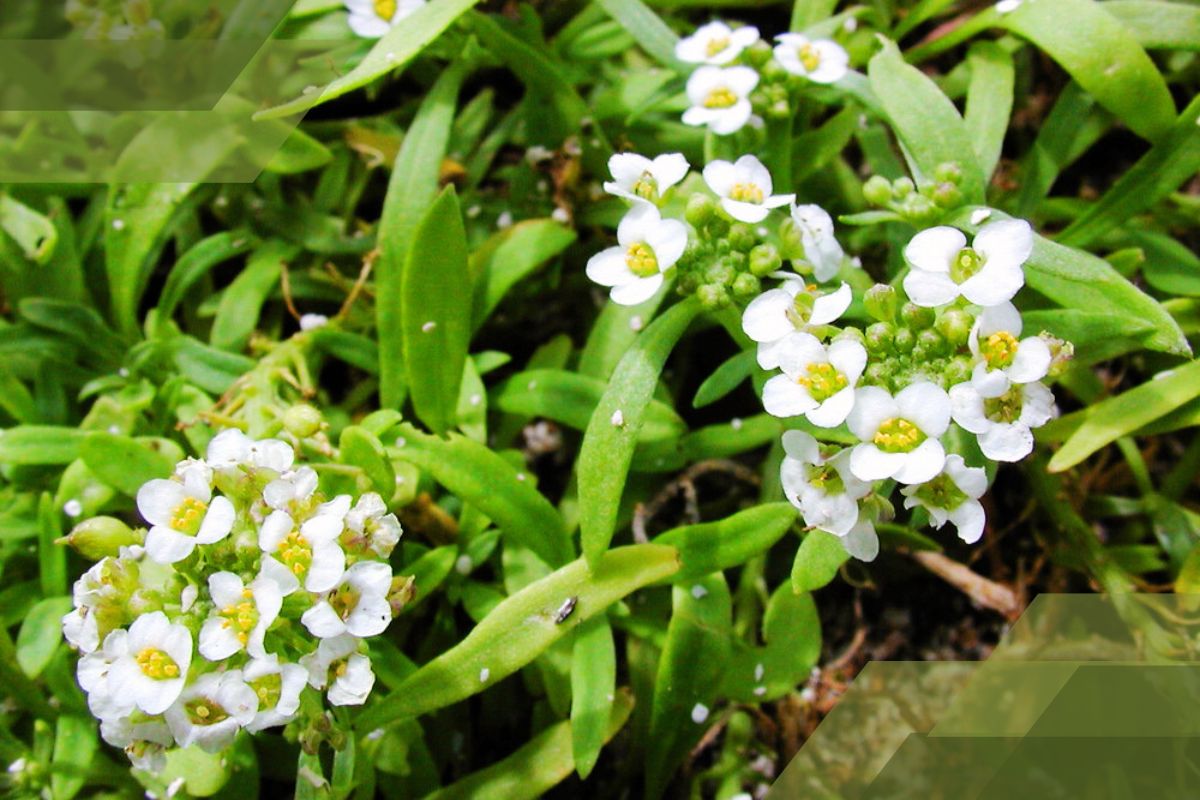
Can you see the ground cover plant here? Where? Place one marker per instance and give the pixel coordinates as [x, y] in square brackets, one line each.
[586, 390]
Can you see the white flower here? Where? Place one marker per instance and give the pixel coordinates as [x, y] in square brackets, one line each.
[715, 43]
[231, 450]
[291, 491]
[358, 605]
[309, 553]
[777, 313]
[1001, 357]
[92, 674]
[145, 742]
[94, 589]
[821, 248]
[899, 434]
[817, 382]
[744, 187]
[987, 273]
[278, 688]
[336, 663]
[1003, 422]
[639, 179]
[862, 542]
[151, 663]
[371, 19]
[824, 489]
[370, 521]
[820, 60]
[953, 495]
[241, 615]
[648, 246]
[80, 629]
[211, 710]
[182, 514]
[720, 98]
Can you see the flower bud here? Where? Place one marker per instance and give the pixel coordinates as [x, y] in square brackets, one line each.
[700, 209]
[878, 374]
[919, 208]
[916, 317]
[954, 325]
[957, 371]
[98, 537]
[720, 273]
[741, 236]
[759, 53]
[904, 340]
[718, 226]
[902, 188]
[401, 593]
[931, 343]
[881, 302]
[948, 172]
[746, 285]
[780, 109]
[764, 259]
[851, 333]
[879, 337]
[877, 190]
[791, 240]
[302, 420]
[1061, 354]
[773, 71]
[712, 296]
[688, 283]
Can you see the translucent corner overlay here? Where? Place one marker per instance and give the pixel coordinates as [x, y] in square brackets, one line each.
[1086, 696]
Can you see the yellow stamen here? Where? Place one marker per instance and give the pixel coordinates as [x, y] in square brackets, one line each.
[897, 435]
[157, 664]
[722, 97]
[188, 515]
[746, 193]
[716, 45]
[823, 381]
[640, 259]
[385, 9]
[999, 349]
[809, 57]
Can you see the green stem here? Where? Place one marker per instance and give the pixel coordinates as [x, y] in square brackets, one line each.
[778, 153]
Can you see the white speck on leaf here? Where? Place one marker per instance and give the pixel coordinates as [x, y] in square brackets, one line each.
[72, 508]
[699, 591]
[617, 418]
[979, 215]
[428, 326]
[636, 323]
[484, 674]
[699, 713]
[463, 565]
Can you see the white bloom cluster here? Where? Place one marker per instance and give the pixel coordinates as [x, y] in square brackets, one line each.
[250, 586]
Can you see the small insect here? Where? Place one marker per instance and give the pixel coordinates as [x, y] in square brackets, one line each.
[565, 610]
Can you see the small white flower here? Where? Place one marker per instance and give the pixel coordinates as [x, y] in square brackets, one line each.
[777, 313]
[182, 514]
[1001, 358]
[145, 742]
[899, 434]
[93, 589]
[715, 43]
[241, 615]
[92, 674]
[819, 60]
[1004, 422]
[231, 450]
[277, 687]
[953, 495]
[647, 247]
[337, 664]
[641, 180]
[744, 187]
[371, 521]
[817, 381]
[211, 710]
[150, 663]
[358, 605]
[309, 553]
[862, 542]
[720, 98]
[371, 19]
[821, 248]
[824, 489]
[292, 491]
[987, 273]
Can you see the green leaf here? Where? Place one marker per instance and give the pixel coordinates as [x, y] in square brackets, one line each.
[203, 773]
[612, 334]
[1170, 266]
[989, 101]
[197, 262]
[79, 323]
[411, 191]
[725, 378]
[299, 153]
[52, 557]
[75, 745]
[607, 449]
[1159, 25]
[570, 399]
[791, 632]
[242, 301]
[32, 231]
[395, 49]
[123, 462]
[363, 449]
[1172, 161]
[924, 120]
[436, 320]
[40, 444]
[1096, 335]
[430, 570]
[593, 684]
[817, 561]
[646, 27]
[482, 478]
[1102, 56]
[521, 628]
[510, 256]
[699, 638]
[1110, 419]
[807, 12]
[1072, 126]
[40, 634]
[715, 546]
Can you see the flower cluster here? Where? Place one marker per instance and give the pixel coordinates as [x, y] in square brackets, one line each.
[372, 19]
[740, 77]
[248, 587]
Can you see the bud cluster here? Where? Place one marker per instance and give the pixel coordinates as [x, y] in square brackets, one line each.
[918, 203]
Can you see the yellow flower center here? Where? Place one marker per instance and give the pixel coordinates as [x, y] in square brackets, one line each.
[640, 259]
[268, 688]
[722, 97]
[1006, 408]
[646, 187]
[746, 193]
[809, 56]
[965, 264]
[716, 45]
[942, 492]
[999, 349]
[296, 553]
[157, 665]
[898, 435]
[188, 515]
[385, 9]
[823, 381]
[826, 479]
[242, 617]
[203, 711]
[344, 601]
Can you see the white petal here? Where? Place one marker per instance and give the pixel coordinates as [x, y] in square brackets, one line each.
[218, 642]
[165, 546]
[322, 621]
[638, 224]
[697, 115]
[798, 350]
[752, 171]
[802, 447]
[322, 528]
[969, 518]
[766, 318]
[225, 588]
[929, 289]
[1032, 361]
[934, 250]
[989, 382]
[352, 688]
[368, 26]
[767, 353]
[966, 407]
[971, 480]
[274, 530]
[829, 307]
[1006, 442]
[833, 412]
[869, 463]
[923, 463]
[1037, 404]
[993, 284]
[849, 357]
[669, 169]
[608, 268]
[833, 62]
[742, 80]
[370, 577]
[280, 575]
[157, 500]
[636, 291]
[783, 397]
[1000, 317]
[720, 177]
[744, 212]
[927, 406]
[628, 168]
[862, 542]
[732, 119]
[328, 564]
[227, 449]
[218, 521]
[871, 407]
[1008, 242]
[668, 240]
[370, 617]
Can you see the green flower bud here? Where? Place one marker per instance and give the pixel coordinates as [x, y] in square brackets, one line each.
[688, 282]
[746, 285]
[902, 188]
[302, 420]
[957, 371]
[851, 333]
[878, 374]
[764, 259]
[759, 53]
[739, 261]
[946, 195]
[773, 72]
[780, 109]
[741, 236]
[904, 340]
[954, 325]
[98, 537]
[948, 172]
[881, 302]
[916, 317]
[879, 338]
[717, 227]
[712, 296]
[759, 101]
[700, 209]
[919, 208]
[791, 242]
[931, 343]
[878, 190]
[720, 272]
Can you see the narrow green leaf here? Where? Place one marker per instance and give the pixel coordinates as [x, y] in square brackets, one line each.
[924, 120]
[817, 561]
[989, 101]
[725, 378]
[715, 546]
[646, 27]
[813, 150]
[613, 333]
[299, 153]
[593, 685]
[510, 256]
[52, 557]
[1170, 266]
[1072, 126]
[123, 462]
[75, 745]
[791, 632]
[40, 444]
[520, 629]
[609, 441]
[242, 301]
[77, 322]
[807, 12]
[197, 262]
[430, 570]
[411, 191]
[363, 449]
[40, 634]
[1159, 25]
